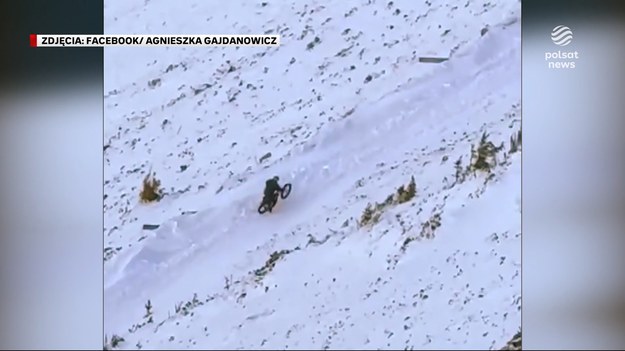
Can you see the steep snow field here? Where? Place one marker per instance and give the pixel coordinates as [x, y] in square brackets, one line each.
[345, 112]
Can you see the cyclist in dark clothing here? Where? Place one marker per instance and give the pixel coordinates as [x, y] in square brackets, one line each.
[272, 190]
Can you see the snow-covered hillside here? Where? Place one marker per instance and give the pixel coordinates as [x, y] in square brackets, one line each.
[344, 111]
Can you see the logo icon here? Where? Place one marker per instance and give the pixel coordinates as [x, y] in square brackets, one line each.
[561, 35]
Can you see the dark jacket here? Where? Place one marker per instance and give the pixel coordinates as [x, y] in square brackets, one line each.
[271, 187]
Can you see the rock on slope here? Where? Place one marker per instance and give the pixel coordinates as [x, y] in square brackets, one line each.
[348, 116]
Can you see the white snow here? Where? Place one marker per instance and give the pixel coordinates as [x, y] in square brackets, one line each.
[343, 140]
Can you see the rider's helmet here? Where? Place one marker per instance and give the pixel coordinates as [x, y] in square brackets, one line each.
[276, 178]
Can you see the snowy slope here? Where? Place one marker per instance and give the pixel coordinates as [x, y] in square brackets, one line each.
[347, 119]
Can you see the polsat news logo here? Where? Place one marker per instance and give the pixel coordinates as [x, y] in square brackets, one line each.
[104, 40]
[561, 35]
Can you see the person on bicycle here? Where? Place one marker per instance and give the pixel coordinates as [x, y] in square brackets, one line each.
[272, 189]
